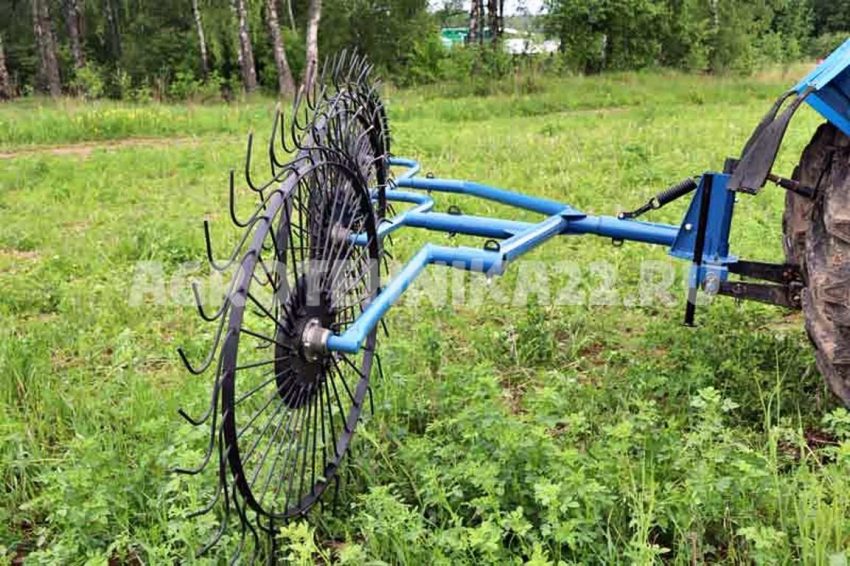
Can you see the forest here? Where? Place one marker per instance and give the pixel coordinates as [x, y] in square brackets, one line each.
[177, 49]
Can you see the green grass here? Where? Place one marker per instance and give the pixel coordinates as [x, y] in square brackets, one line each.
[537, 432]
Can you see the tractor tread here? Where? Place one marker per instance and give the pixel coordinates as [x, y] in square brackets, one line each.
[817, 238]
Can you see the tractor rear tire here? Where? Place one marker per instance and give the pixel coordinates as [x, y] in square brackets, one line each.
[817, 238]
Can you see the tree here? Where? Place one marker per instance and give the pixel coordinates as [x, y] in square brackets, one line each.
[46, 44]
[246, 50]
[476, 17]
[598, 35]
[495, 15]
[291, 14]
[5, 83]
[311, 68]
[202, 42]
[73, 22]
[285, 83]
[113, 31]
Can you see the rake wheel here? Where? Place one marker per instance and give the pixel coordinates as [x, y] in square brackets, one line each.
[282, 412]
[289, 413]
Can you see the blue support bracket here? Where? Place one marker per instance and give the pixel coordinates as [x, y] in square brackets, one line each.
[718, 224]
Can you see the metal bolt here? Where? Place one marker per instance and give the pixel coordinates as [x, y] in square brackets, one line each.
[689, 227]
[711, 285]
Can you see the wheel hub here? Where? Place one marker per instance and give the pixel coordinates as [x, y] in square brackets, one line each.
[301, 361]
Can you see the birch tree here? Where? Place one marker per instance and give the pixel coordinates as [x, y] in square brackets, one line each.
[202, 42]
[246, 50]
[312, 61]
[285, 83]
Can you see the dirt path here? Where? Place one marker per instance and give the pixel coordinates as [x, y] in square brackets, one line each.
[84, 149]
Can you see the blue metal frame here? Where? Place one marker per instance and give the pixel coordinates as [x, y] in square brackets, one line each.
[515, 238]
[830, 95]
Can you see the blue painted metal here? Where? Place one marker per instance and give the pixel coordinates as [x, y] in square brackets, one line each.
[721, 209]
[470, 259]
[630, 230]
[516, 238]
[831, 81]
[529, 239]
[502, 196]
[828, 88]
[470, 225]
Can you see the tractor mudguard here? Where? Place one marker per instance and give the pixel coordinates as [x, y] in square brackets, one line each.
[826, 89]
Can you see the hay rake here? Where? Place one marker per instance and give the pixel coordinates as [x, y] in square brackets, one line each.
[295, 341]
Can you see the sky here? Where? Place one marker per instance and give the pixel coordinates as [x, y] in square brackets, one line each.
[511, 6]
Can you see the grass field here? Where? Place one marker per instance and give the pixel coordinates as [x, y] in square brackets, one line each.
[596, 432]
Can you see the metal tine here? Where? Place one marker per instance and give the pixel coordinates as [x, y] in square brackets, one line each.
[211, 444]
[273, 161]
[226, 518]
[340, 64]
[330, 66]
[283, 135]
[209, 507]
[199, 305]
[243, 519]
[380, 366]
[248, 156]
[213, 400]
[270, 533]
[236, 250]
[210, 356]
[294, 125]
[232, 199]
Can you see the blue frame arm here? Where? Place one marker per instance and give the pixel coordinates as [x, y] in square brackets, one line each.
[514, 238]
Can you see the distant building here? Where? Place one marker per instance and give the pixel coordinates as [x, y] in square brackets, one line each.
[515, 42]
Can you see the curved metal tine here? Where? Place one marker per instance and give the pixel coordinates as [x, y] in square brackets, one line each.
[232, 199]
[236, 250]
[200, 306]
[273, 161]
[207, 508]
[311, 90]
[294, 124]
[210, 356]
[212, 405]
[222, 476]
[243, 518]
[328, 67]
[213, 430]
[242, 538]
[248, 157]
[283, 134]
[339, 65]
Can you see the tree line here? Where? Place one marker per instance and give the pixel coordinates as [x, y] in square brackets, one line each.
[178, 48]
[700, 35]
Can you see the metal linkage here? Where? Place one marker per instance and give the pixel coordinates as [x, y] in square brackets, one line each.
[787, 293]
